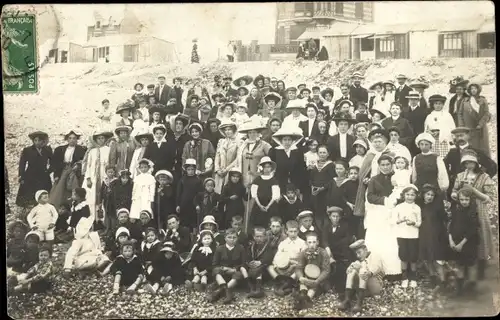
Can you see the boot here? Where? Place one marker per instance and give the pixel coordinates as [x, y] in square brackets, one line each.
[216, 294]
[280, 284]
[259, 293]
[300, 300]
[229, 296]
[360, 295]
[460, 287]
[289, 286]
[346, 303]
[481, 267]
[251, 287]
[198, 287]
[307, 302]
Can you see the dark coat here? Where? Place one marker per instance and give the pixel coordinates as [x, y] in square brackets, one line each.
[57, 163]
[164, 203]
[291, 168]
[165, 94]
[406, 133]
[34, 173]
[163, 157]
[177, 94]
[379, 187]
[304, 125]
[400, 96]
[416, 118]
[338, 241]
[333, 145]
[451, 106]
[264, 254]
[254, 105]
[121, 194]
[182, 242]
[358, 94]
[342, 98]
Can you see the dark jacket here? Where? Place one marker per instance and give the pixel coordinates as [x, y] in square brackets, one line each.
[400, 96]
[57, 163]
[333, 145]
[379, 187]
[164, 156]
[416, 118]
[358, 94]
[165, 94]
[264, 253]
[304, 125]
[235, 258]
[406, 133]
[182, 242]
[338, 241]
[78, 211]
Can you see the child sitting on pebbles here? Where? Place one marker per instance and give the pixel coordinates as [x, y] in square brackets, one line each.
[15, 245]
[127, 269]
[259, 257]
[167, 270]
[201, 259]
[150, 251]
[37, 278]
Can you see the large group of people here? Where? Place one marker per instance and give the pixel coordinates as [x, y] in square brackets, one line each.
[249, 180]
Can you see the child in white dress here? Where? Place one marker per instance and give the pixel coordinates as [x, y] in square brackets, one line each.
[143, 192]
[311, 157]
[402, 176]
[240, 116]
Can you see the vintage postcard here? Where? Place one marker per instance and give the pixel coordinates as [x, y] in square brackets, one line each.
[230, 160]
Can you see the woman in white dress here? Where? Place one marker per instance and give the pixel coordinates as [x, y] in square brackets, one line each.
[378, 100]
[390, 93]
[143, 139]
[94, 170]
[225, 155]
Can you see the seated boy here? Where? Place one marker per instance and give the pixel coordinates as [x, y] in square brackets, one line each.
[124, 222]
[306, 224]
[228, 261]
[285, 261]
[63, 232]
[236, 224]
[366, 273]
[275, 234]
[38, 277]
[127, 269]
[17, 230]
[259, 257]
[180, 236]
[312, 271]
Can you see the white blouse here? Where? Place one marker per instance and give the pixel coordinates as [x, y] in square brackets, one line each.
[68, 155]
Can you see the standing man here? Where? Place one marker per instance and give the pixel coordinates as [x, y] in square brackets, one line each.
[176, 93]
[162, 91]
[357, 92]
[416, 115]
[420, 86]
[230, 52]
[346, 95]
[402, 92]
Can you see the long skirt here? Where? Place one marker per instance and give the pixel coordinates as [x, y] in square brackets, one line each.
[381, 238]
[61, 191]
[33, 182]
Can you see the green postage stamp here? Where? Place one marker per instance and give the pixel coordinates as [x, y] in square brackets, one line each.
[19, 53]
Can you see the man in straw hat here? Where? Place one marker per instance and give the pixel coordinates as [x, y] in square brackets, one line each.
[295, 107]
[312, 271]
[416, 113]
[402, 91]
[356, 91]
[419, 85]
[121, 151]
[367, 272]
[124, 110]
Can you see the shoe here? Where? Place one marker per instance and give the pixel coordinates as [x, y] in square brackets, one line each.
[300, 300]
[216, 294]
[345, 304]
[307, 302]
[360, 296]
[149, 288]
[229, 296]
[252, 288]
[198, 287]
[413, 284]
[166, 289]
[404, 284]
[259, 293]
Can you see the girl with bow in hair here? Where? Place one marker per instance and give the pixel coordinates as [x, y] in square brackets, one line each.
[201, 259]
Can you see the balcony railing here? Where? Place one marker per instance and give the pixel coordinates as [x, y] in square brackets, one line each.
[284, 48]
[296, 15]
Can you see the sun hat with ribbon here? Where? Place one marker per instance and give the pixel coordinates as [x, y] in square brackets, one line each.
[251, 125]
[38, 134]
[190, 162]
[168, 246]
[208, 219]
[469, 155]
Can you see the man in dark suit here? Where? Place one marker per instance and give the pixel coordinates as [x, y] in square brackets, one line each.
[176, 93]
[452, 159]
[402, 92]
[340, 145]
[291, 94]
[357, 92]
[416, 116]
[346, 95]
[406, 133]
[227, 90]
[162, 91]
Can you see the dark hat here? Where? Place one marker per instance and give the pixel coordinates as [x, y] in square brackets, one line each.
[77, 134]
[216, 77]
[248, 80]
[333, 209]
[302, 85]
[217, 95]
[379, 83]
[17, 224]
[420, 83]
[312, 105]
[243, 88]
[344, 116]
[373, 111]
[394, 129]
[81, 193]
[177, 78]
[104, 101]
[305, 89]
[157, 108]
[458, 82]
[227, 78]
[149, 136]
[272, 96]
[437, 97]
[477, 85]
[327, 90]
[316, 88]
[184, 118]
[213, 120]
[124, 106]
[291, 89]
[378, 133]
[139, 84]
[193, 96]
[140, 98]
[257, 78]
[150, 86]
[38, 134]
[460, 130]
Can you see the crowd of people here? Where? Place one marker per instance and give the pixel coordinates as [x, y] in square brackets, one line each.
[249, 181]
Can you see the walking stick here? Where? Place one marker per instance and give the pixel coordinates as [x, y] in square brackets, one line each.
[158, 208]
[247, 209]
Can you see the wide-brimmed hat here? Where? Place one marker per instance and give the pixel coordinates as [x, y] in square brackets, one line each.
[146, 161]
[437, 97]
[196, 125]
[357, 244]
[105, 134]
[460, 130]
[424, 136]
[139, 84]
[193, 96]
[305, 213]
[327, 90]
[375, 110]
[142, 135]
[257, 78]
[38, 134]
[74, 132]
[208, 219]
[413, 95]
[160, 126]
[234, 170]
[231, 105]
[272, 96]
[213, 120]
[295, 104]
[344, 116]
[458, 82]
[281, 260]
[474, 84]
[227, 124]
[401, 76]
[378, 133]
[305, 89]
[266, 160]
[287, 131]
[83, 227]
[157, 108]
[17, 224]
[124, 106]
[419, 83]
[248, 80]
[122, 128]
[36, 233]
[245, 89]
[360, 142]
[379, 83]
[124, 171]
[189, 162]
[389, 82]
[357, 75]
[469, 155]
[217, 95]
[251, 125]
[165, 173]
[184, 118]
[168, 246]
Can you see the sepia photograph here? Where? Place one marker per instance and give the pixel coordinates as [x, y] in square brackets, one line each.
[235, 160]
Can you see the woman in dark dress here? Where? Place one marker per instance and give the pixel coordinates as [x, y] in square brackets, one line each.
[212, 132]
[458, 86]
[289, 158]
[179, 137]
[66, 165]
[322, 134]
[273, 127]
[34, 173]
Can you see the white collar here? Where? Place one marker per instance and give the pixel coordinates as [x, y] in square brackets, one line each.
[427, 153]
[80, 205]
[395, 119]
[148, 245]
[342, 134]
[311, 120]
[230, 248]
[303, 229]
[267, 176]
[293, 147]
[464, 146]
[162, 140]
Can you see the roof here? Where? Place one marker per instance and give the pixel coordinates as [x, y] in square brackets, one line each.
[461, 24]
[115, 40]
[341, 29]
[311, 34]
[488, 26]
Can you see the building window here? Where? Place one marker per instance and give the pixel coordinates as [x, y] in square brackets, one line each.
[339, 7]
[387, 45]
[328, 6]
[452, 41]
[486, 40]
[103, 52]
[98, 24]
[358, 10]
[367, 44]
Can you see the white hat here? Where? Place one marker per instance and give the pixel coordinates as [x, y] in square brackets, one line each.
[413, 95]
[168, 246]
[120, 231]
[197, 125]
[265, 160]
[290, 131]
[227, 124]
[159, 126]
[144, 160]
[424, 137]
[411, 186]
[304, 213]
[122, 210]
[189, 162]
[281, 260]
[148, 211]
[361, 142]
[39, 193]
[208, 219]
[164, 172]
[295, 104]
[235, 169]
[83, 227]
[251, 125]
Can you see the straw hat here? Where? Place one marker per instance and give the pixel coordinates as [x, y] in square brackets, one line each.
[424, 136]
[357, 244]
[74, 132]
[164, 172]
[227, 124]
[420, 83]
[105, 134]
[287, 131]
[469, 155]
[146, 135]
[208, 219]
[122, 128]
[251, 125]
[295, 104]
[189, 162]
[266, 160]
[38, 134]
[196, 125]
[357, 75]
[305, 213]
[401, 76]
[272, 96]
[360, 142]
[160, 126]
[248, 80]
[235, 170]
[379, 83]
[413, 95]
[282, 260]
[312, 271]
[168, 246]
[375, 110]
